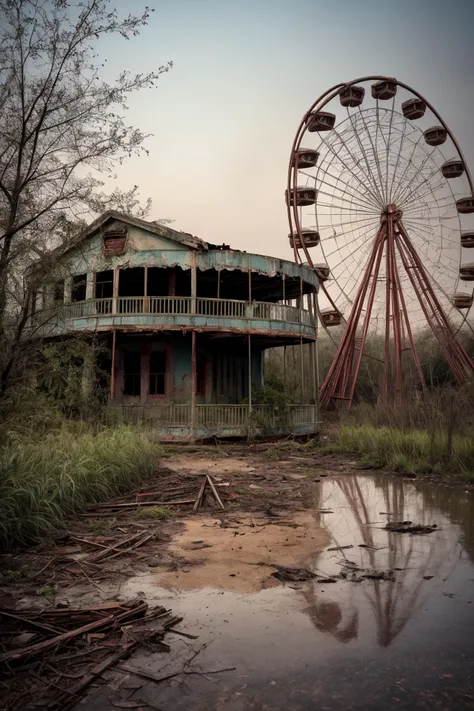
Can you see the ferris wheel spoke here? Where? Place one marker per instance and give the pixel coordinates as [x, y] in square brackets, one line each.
[378, 187]
[418, 171]
[408, 161]
[416, 228]
[416, 197]
[368, 242]
[340, 199]
[397, 162]
[324, 169]
[321, 181]
[361, 200]
[356, 241]
[367, 188]
[433, 268]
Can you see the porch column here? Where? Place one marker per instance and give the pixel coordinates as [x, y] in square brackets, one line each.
[249, 337]
[193, 286]
[89, 286]
[193, 382]
[112, 371]
[145, 291]
[115, 291]
[67, 289]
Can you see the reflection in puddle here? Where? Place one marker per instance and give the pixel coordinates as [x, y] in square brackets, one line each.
[407, 644]
[362, 506]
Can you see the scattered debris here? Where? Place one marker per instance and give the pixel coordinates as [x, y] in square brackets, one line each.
[339, 548]
[72, 643]
[292, 574]
[207, 482]
[409, 527]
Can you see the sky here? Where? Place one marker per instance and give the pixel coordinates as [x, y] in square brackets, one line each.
[245, 72]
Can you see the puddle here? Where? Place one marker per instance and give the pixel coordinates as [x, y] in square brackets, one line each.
[407, 644]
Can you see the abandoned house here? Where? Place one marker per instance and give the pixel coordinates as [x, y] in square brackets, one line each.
[186, 323]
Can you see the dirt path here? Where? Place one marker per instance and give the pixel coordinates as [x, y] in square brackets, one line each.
[133, 549]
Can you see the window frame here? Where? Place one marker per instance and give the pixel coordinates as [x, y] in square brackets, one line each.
[166, 352]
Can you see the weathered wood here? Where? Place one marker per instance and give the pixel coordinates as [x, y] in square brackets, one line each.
[198, 501]
[16, 654]
[99, 669]
[138, 504]
[214, 491]
[117, 547]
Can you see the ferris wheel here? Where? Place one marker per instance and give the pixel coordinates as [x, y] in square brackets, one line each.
[380, 203]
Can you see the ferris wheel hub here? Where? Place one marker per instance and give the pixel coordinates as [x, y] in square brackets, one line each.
[391, 211]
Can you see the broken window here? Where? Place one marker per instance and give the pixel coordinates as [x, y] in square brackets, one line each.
[114, 241]
[201, 375]
[132, 368]
[157, 372]
[104, 289]
[58, 292]
[78, 291]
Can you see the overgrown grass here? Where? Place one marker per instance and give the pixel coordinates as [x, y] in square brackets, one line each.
[43, 480]
[406, 450]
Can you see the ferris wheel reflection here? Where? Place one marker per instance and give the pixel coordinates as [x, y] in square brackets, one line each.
[378, 608]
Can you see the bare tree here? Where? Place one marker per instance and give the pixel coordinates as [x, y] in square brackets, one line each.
[61, 129]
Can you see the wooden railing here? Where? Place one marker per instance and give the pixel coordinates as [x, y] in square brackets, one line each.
[176, 305]
[214, 418]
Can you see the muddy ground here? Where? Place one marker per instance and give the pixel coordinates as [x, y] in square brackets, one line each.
[271, 515]
[147, 546]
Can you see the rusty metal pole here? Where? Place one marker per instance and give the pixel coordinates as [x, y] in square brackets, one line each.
[112, 369]
[316, 349]
[301, 338]
[193, 383]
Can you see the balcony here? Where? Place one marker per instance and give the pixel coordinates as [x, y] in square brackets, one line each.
[174, 312]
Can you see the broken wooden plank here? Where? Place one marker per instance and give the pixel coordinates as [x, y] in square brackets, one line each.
[117, 547]
[99, 669]
[214, 491]
[131, 548]
[15, 655]
[198, 502]
[138, 504]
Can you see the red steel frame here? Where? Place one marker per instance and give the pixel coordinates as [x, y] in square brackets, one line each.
[391, 239]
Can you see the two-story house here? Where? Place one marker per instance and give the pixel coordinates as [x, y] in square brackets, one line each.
[186, 322]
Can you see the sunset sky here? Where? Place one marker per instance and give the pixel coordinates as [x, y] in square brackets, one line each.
[246, 71]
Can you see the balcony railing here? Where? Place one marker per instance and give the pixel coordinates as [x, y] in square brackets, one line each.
[176, 306]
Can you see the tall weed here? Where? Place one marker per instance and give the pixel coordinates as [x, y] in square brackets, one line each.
[42, 480]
